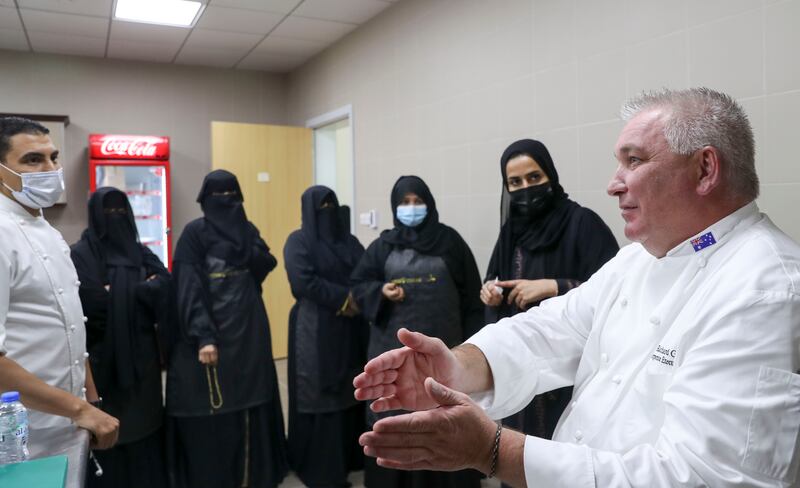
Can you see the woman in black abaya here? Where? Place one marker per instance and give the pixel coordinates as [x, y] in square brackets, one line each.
[548, 245]
[224, 423]
[420, 275]
[124, 290]
[327, 345]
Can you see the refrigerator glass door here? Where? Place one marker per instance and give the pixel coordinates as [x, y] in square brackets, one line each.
[146, 187]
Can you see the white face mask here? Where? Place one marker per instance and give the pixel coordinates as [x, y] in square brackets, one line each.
[39, 190]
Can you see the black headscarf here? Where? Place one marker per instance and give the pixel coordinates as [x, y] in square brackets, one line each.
[540, 232]
[326, 228]
[109, 254]
[429, 237]
[230, 234]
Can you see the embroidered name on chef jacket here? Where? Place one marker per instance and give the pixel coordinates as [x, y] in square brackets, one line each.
[664, 355]
[703, 241]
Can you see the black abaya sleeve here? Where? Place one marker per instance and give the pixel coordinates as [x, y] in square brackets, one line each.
[93, 295]
[262, 262]
[596, 245]
[304, 278]
[193, 312]
[368, 280]
[468, 281]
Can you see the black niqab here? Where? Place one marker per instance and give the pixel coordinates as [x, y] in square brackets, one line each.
[324, 226]
[221, 199]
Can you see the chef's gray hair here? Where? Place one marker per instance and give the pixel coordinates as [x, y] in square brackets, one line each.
[699, 117]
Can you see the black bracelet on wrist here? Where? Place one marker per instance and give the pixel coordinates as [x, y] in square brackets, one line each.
[495, 450]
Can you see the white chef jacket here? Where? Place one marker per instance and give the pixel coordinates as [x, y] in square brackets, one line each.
[41, 319]
[684, 367]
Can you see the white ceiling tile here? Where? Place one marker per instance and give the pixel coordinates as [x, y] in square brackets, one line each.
[277, 6]
[100, 8]
[67, 24]
[224, 41]
[352, 11]
[271, 62]
[136, 31]
[207, 57]
[143, 51]
[46, 42]
[238, 20]
[290, 47]
[13, 39]
[7, 3]
[9, 19]
[312, 29]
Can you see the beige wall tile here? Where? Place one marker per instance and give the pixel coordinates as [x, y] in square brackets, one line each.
[699, 12]
[728, 55]
[596, 161]
[556, 97]
[517, 106]
[658, 63]
[640, 14]
[601, 86]
[779, 164]
[553, 33]
[563, 147]
[782, 37]
[598, 27]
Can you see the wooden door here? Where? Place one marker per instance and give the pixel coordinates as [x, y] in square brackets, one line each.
[274, 166]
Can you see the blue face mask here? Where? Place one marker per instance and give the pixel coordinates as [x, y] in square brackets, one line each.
[411, 215]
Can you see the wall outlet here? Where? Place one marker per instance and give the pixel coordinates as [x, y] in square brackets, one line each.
[369, 219]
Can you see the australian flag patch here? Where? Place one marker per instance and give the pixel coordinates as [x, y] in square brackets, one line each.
[703, 241]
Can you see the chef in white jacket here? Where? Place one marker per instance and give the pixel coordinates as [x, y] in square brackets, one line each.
[42, 336]
[684, 349]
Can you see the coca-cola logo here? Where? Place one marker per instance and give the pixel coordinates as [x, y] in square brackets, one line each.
[128, 147]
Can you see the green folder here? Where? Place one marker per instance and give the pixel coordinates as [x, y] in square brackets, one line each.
[49, 472]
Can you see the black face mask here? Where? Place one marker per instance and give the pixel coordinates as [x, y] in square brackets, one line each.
[328, 222]
[531, 202]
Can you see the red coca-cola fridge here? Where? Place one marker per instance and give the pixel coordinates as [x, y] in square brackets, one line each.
[139, 166]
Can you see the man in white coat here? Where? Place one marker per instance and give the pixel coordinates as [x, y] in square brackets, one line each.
[683, 350]
[42, 336]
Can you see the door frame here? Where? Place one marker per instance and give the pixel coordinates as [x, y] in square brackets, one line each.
[314, 123]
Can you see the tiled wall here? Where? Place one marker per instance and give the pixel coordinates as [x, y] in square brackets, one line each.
[108, 96]
[440, 87]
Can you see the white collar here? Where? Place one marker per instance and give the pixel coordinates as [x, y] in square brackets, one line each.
[718, 231]
[12, 206]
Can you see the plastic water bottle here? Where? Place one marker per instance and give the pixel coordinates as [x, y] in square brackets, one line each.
[13, 429]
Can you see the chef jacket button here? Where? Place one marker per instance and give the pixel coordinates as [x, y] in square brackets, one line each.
[45, 257]
[21, 222]
[655, 320]
[77, 282]
[72, 327]
[83, 390]
[604, 357]
[60, 291]
[624, 302]
[573, 404]
[617, 379]
[85, 319]
[701, 261]
[85, 355]
[77, 362]
[578, 435]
